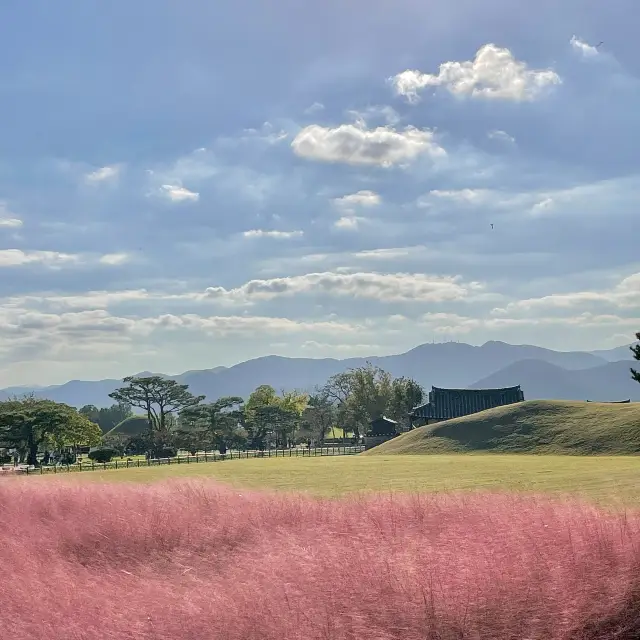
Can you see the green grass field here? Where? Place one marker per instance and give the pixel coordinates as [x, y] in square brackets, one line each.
[537, 426]
[603, 479]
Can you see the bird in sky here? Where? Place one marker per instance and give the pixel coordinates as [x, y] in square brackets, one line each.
[599, 44]
[492, 225]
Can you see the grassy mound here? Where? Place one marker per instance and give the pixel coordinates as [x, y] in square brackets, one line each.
[133, 426]
[535, 426]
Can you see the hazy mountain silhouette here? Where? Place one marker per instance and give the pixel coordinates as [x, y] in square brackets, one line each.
[545, 381]
[449, 364]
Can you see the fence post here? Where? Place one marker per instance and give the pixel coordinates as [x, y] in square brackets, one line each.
[116, 464]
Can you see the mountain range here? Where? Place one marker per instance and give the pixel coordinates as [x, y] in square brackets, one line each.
[543, 374]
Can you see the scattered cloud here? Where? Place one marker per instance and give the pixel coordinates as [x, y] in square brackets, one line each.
[626, 294]
[349, 223]
[364, 198]
[179, 194]
[115, 259]
[314, 108]
[375, 113]
[407, 287]
[502, 136]
[282, 235]
[103, 174]
[51, 259]
[494, 73]
[12, 223]
[357, 145]
[583, 48]
[469, 196]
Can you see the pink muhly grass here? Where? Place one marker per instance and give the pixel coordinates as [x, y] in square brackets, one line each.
[195, 560]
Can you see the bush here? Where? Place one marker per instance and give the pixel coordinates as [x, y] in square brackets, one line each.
[5, 458]
[166, 452]
[103, 454]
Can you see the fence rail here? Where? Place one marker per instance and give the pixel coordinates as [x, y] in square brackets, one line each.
[205, 457]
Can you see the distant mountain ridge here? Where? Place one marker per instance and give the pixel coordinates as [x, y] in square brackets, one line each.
[542, 373]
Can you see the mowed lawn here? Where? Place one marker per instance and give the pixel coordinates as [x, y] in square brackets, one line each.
[604, 479]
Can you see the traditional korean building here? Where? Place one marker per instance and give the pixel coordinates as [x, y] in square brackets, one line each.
[380, 430]
[445, 404]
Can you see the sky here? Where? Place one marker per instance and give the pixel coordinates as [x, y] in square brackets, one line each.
[188, 185]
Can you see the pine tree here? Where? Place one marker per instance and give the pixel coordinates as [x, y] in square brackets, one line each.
[636, 354]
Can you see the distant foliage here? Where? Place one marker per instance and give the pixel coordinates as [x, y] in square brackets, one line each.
[103, 454]
[635, 349]
[193, 560]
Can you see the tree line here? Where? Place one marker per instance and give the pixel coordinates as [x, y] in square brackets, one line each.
[35, 429]
[174, 419]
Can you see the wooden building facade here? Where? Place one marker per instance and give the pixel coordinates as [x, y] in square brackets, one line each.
[445, 404]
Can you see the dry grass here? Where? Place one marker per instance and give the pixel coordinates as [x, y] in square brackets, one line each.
[604, 479]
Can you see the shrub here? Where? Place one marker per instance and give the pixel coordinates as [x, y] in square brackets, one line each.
[166, 452]
[103, 454]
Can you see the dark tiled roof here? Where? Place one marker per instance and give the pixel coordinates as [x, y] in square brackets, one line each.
[382, 427]
[454, 403]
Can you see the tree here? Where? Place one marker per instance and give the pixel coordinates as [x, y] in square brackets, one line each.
[30, 423]
[406, 394]
[161, 399]
[213, 425]
[268, 415]
[107, 417]
[635, 349]
[363, 394]
[319, 415]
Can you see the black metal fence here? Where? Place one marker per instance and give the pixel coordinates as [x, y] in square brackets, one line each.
[203, 457]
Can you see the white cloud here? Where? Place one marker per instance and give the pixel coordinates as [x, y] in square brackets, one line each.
[57, 259]
[364, 198]
[386, 113]
[625, 295]
[470, 196]
[393, 287]
[383, 254]
[494, 73]
[545, 205]
[503, 136]
[8, 219]
[179, 194]
[17, 258]
[260, 233]
[357, 145]
[583, 48]
[104, 174]
[267, 133]
[314, 108]
[12, 223]
[114, 259]
[349, 223]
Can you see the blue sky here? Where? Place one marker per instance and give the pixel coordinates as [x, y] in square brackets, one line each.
[186, 185]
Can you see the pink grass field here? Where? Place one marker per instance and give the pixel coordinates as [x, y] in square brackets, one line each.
[196, 560]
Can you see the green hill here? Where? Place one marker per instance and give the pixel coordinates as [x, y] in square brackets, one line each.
[131, 426]
[535, 426]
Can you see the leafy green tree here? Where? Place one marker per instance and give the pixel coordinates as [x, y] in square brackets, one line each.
[160, 399]
[319, 416]
[31, 423]
[271, 417]
[635, 349]
[366, 393]
[214, 425]
[107, 417]
[406, 394]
